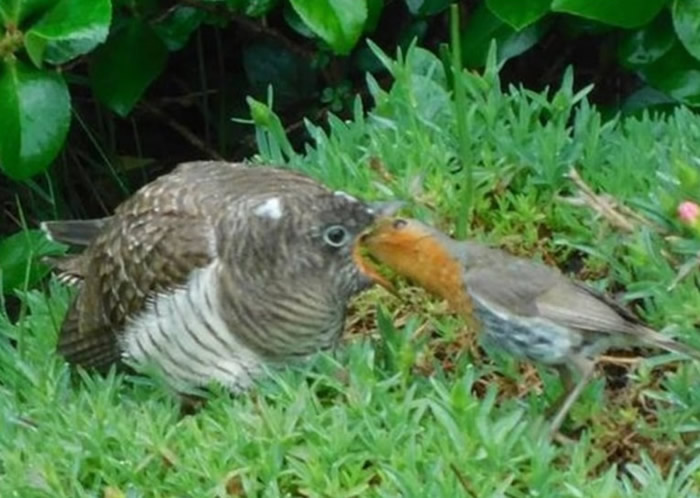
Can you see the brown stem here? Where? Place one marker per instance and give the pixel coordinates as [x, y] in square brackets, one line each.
[182, 130]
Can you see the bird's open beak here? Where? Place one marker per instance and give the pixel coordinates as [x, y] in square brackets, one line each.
[368, 268]
[384, 211]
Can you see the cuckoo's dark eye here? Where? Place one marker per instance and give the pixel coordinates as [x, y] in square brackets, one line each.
[336, 236]
[399, 223]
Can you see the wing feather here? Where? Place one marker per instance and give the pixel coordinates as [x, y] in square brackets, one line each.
[531, 289]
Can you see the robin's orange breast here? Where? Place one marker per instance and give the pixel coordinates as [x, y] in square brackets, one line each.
[421, 259]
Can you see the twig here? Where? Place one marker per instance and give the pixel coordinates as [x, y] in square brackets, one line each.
[601, 204]
[630, 213]
[619, 360]
[185, 100]
[182, 130]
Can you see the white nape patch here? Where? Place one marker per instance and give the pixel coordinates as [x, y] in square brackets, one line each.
[271, 208]
[183, 333]
[345, 195]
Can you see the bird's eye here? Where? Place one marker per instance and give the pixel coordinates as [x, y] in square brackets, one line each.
[399, 223]
[336, 236]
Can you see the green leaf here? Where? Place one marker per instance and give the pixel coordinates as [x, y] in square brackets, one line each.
[295, 22]
[482, 27]
[71, 28]
[16, 11]
[374, 13]
[622, 13]
[260, 113]
[338, 22]
[647, 98]
[34, 117]
[4, 15]
[258, 8]
[126, 65]
[518, 14]
[177, 27]
[647, 44]
[686, 20]
[19, 259]
[427, 7]
[677, 74]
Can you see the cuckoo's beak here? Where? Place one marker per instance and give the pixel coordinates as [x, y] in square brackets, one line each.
[368, 268]
[384, 211]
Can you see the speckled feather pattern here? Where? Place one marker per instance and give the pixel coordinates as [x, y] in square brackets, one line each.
[208, 250]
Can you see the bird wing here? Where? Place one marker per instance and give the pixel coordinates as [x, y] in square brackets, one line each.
[531, 289]
[130, 263]
[510, 284]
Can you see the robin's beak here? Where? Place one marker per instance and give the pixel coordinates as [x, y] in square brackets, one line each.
[386, 208]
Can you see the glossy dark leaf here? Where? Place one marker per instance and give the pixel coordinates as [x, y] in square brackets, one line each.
[622, 13]
[34, 118]
[677, 74]
[269, 64]
[374, 12]
[257, 8]
[647, 98]
[412, 32]
[686, 20]
[483, 26]
[295, 22]
[647, 44]
[575, 27]
[518, 14]
[19, 259]
[338, 22]
[124, 67]
[427, 7]
[71, 28]
[4, 15]
[177, 27]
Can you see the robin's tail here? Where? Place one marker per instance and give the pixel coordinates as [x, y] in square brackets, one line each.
[74, 232]
[654, 338]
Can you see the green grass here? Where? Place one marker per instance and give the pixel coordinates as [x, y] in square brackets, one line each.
[404, 408]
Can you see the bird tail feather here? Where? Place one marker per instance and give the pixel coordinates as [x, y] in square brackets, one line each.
[74, 232]
[662, 341]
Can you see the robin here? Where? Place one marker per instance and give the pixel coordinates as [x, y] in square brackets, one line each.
[213, 272]
[526, 308]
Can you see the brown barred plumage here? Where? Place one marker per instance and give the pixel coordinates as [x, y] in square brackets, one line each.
[212, 272]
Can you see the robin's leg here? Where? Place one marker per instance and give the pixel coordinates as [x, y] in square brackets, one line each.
[567, 379]
[586, 368]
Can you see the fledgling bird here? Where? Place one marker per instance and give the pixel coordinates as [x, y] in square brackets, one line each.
[523, 307]
[213, 271]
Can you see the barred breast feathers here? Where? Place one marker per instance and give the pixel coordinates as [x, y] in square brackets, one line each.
[212, 329]
[279, 322]
[183, 332]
